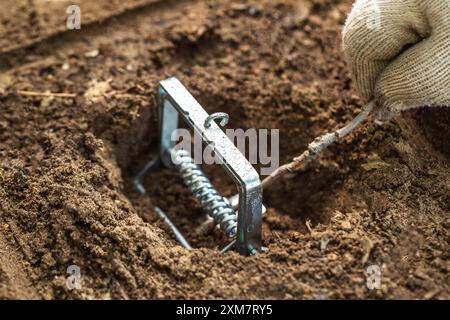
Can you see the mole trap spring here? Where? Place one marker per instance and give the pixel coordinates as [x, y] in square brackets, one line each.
[240, 217]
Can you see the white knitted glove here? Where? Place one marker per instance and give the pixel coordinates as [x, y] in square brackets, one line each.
[398, 52]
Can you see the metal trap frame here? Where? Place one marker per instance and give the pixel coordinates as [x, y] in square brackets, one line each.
[240, 217]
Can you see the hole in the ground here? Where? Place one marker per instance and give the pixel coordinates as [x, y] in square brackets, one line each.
[435, 124]
[290, 203]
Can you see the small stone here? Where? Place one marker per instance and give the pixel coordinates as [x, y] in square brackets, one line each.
[48, 260]
[96, 90]
[374, 162]
[65, 66]
[245, 48]
[239, 6]
[346, 226]
[46, 102]
[252, 11]
[92, 54]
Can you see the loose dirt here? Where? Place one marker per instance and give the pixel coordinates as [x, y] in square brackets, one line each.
[380, 197]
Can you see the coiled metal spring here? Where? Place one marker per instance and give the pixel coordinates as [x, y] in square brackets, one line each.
[216, 206]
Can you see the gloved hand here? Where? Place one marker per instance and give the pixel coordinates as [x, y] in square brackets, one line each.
[398, 52]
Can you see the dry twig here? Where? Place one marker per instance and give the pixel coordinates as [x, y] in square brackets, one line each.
[45, 94]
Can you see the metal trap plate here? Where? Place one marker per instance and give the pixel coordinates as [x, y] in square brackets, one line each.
[175, 102]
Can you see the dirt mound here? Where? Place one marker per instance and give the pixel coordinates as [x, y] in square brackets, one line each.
[380, 197]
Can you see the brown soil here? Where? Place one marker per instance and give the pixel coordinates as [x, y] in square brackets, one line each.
[382, 196]
[24, 22]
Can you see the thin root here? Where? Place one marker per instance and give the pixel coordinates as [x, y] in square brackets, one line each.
[316, 147]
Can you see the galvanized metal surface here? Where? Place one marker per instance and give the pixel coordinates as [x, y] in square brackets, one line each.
[175, 101]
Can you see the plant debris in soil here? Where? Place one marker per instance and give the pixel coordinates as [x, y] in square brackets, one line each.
[380, 197]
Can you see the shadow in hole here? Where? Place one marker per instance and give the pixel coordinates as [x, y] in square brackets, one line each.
[435, 124]
[307, 196]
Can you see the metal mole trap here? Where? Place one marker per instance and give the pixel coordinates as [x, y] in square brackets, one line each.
[240, 217]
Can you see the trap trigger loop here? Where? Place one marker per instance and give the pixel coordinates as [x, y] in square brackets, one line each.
[218, 115]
